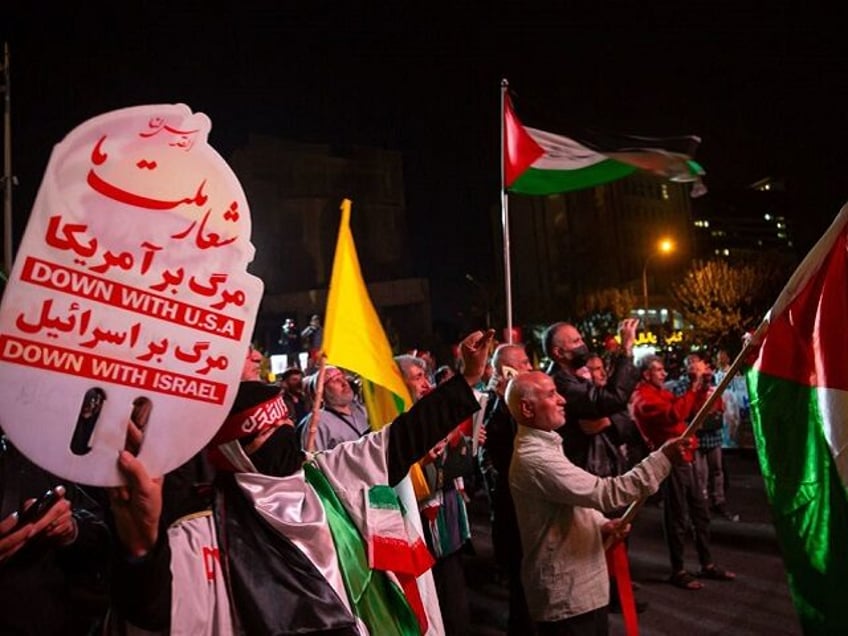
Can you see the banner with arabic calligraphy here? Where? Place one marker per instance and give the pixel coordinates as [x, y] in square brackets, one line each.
[129, 309]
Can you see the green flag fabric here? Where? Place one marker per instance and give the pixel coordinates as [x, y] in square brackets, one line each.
[799, 407]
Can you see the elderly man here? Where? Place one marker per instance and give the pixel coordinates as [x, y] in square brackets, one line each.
[341, 418]
[558, 507]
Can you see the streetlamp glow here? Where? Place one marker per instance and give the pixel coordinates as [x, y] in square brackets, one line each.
[664, 246]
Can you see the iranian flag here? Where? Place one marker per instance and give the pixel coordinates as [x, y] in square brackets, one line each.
[538, 162]
[799, 407]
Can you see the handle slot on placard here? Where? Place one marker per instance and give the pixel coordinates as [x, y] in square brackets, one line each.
[137, 424]
[92, 403]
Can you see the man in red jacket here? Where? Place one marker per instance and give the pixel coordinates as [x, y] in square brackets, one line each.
[660, 416]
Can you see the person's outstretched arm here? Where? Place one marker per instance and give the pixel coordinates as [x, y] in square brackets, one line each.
[435, 415]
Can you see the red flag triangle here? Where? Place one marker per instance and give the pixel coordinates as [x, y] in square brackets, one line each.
[521, 150]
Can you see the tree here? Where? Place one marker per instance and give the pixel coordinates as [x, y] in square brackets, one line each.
[724, 300]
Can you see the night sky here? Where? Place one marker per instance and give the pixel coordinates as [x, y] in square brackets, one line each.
[766, 91]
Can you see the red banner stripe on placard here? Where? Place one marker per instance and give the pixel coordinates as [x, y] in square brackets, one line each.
[110, 292]
[83, 364]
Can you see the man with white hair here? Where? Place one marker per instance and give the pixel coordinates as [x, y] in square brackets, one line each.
[341, 419]
[558, 507]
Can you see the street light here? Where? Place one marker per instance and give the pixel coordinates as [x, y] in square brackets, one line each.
[664, 246]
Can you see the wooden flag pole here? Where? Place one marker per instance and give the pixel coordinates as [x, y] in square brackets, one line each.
[316, 404]
[702, 413]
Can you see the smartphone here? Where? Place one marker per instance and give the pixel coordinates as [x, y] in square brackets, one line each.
[38, 509]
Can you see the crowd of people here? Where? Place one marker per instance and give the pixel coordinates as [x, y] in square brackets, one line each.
[302, 516]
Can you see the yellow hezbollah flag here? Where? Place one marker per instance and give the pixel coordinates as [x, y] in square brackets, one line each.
[354, 338]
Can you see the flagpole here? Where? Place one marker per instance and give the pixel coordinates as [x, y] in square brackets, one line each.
[505, 217]
[751, 343]
[316, 404]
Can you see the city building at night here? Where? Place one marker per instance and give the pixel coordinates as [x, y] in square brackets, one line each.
[295, 190]
[566, 245]
[737, 224]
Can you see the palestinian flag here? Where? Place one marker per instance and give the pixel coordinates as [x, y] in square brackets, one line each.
[799, 407]
[538, 162]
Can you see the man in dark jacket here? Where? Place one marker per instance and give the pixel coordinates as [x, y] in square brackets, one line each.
[585, 400]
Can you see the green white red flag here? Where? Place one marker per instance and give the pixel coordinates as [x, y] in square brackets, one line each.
[539, 163]
[799, 407]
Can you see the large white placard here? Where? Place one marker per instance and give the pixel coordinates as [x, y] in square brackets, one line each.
[130, 287]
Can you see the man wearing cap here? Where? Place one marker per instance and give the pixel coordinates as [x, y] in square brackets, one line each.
[304, 549]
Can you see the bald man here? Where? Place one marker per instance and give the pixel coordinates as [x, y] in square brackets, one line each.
[558, 507]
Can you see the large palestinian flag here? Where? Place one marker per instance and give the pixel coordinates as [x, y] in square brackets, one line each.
[799, 406]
